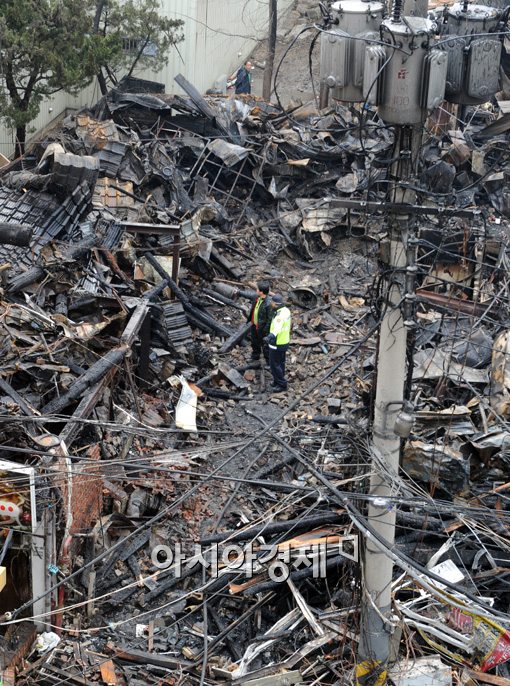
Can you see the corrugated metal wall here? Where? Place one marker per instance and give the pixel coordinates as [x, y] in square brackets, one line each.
[219, 35]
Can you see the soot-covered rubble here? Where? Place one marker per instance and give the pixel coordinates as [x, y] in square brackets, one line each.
[151, 219]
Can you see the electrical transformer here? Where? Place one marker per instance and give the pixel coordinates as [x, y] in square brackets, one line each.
[406, 78]
[473, 54]
[343, 47]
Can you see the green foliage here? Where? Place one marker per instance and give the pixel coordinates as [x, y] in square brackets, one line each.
[45, 46]
[145, 36]
[52, 45]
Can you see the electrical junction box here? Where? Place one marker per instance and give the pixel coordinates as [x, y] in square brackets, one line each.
[413, 73]
[473, 59]
[343, 44]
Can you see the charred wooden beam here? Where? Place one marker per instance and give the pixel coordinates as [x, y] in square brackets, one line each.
[124, 553]
[157, 290]
[143, 658]
[298, 575]
[61, 306]
[221, 626]
[203, 106]
[235, 338]
[207, 320]
[249, 612]
[224, 395]
[275, 467]
[274, 528]
[225, 265]
[16, 234]
[223, 299]
[200, 316]
[25, 407]
[21, 281]
[321, 419]
[193, 321]
[98, 370]
[85, 407]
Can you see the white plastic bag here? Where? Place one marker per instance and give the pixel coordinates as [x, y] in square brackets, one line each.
[46, 642]
[186, 410]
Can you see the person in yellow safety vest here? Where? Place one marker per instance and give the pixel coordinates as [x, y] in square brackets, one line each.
[278, 341]
[260, 318]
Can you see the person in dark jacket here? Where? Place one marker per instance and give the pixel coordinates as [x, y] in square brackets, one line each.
[243, 79]
[260, 317]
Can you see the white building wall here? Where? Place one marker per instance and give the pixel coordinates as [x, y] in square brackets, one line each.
[50, 109]
[218, 36]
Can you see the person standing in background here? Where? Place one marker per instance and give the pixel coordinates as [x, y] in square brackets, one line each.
[243, 79]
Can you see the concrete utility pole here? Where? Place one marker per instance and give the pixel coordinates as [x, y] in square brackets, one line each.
[374, 649]
[396, 64]
[390, 63]
[466, 78]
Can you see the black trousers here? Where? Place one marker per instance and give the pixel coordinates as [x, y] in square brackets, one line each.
[277, 364]
[257, 344]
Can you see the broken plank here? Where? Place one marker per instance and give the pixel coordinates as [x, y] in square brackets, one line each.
[135, 324]
[225, 264]
[123, 553]
[202, 105]
[233, 376]
[235, 338]
[270, 528]
[98, 370]
[185, 300]
[85, 407]
[108, 673]
[23, 405]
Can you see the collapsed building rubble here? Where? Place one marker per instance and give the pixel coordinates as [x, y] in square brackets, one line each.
[145, 430]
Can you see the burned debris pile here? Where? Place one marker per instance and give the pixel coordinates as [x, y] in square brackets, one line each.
[196, 528]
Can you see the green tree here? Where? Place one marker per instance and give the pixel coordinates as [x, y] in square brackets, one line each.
[48, 46]
[143, 35]
[45, 46]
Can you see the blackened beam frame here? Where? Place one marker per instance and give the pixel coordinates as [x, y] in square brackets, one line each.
[94, 393]
[161, 229]
[403, 208]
